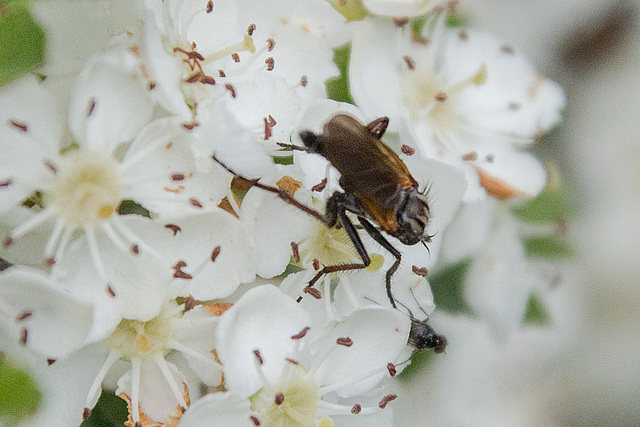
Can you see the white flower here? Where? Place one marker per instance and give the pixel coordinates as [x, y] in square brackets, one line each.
[80, 189]
[399, 8]
[204, 254]
[296, 374]
[462, 96]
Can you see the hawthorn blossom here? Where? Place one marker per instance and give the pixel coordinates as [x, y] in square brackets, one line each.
[295, 371]
[462, 96]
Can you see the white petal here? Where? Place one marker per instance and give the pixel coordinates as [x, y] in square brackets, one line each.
[165, 176]
[237, 147]
[468, 231]
[264, 319]
[373, 73]
[399, 8]
[378, 335]
[57, 323]
[446, 186]
[218, 410]
[156, 398]
[109, 103]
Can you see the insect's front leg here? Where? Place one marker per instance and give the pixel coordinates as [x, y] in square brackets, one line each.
[378, 237]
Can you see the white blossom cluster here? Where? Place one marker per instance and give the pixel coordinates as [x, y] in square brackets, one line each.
[203, 284]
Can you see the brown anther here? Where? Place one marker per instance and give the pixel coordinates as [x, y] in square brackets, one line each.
[251, 29]
[416, 38]
[304, 81]
[270, 44]
[471, 156]
[6, 183]
[138, 424]
[21, 126]
[50, 261]
[313, 292]
[135, 249]
[152, 85]
[51, 362]
[463, 35]
[407, 150]
[316, 264]
[231, 89]
[507, 48]
[411, 64]
[385, 400]
[177, 177]
[301, 334]
[293, 362]
[178, 273]
[189, 303]
[173, 227]
[440, 96]
[86, 413]
[235, 57]
[22, 316]
[272, 121]
[320, 186]
[24, 335]
[189, 126]
[489, 158]
[357, 408]
[267, 129]
[195, 203]
[392, 369]
[215, 253]
[8, 241]
[255, 420]
[270, 63]
[51, 166]
[419, 271]
[452, 5]
[221, 73]
[296, 252]
[110, 291]
[345, 341]
[256, 353]
[400, 22]
[209, 6]
[279, 398]
[91, 107]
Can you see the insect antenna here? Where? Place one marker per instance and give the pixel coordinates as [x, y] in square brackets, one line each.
[292, 146]
[418, 304]
[426, 247]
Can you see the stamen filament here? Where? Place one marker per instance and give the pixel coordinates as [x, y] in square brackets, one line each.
[113, 236]
[346, 286]
[478, 78]
[54, 237]
[245, 44]
[90, 233]
[32, 223]
[136, 365]
[111, 358]
[166, 373]
[333, 387]
[172, 343]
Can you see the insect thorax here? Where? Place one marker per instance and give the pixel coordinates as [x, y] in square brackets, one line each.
[413, 216]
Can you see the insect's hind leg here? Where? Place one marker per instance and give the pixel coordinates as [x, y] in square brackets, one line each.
[336, 210]
[378, 237]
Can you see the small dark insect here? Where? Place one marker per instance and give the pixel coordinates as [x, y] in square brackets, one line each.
[377, 187]
[423, 336]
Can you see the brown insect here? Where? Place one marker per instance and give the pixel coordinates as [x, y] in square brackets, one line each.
[378, 188]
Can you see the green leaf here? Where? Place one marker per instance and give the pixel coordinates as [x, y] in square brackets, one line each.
[129, 207]
[110, 411]
[19, 396]
[447, 288]
[21, 42]
[550, 206]
[547, 247]
[338, 88]
[420, 360]
[283, 160]
[536, 313]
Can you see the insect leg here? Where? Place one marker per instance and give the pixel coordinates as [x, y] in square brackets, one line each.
[378, 237]
[280, 192]
[355, 239]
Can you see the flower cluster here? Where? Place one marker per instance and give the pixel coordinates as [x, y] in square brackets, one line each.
[138, 250]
